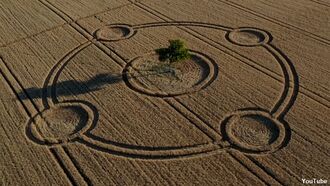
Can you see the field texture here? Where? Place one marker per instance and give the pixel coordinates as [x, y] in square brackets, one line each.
[86, 100]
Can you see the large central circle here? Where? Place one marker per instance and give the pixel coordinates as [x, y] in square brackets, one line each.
[147, 74]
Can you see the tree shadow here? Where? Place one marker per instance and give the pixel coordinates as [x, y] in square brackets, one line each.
[75, 87]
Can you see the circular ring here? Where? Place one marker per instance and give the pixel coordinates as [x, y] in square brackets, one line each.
[248, 37]
[60, 124]
[253, 131]
[148, 75]
[114, 32]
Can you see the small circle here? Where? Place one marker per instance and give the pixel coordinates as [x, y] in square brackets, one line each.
[114, 32]
[59, 124]
[149, 75]
[254, 131]
[248, 37]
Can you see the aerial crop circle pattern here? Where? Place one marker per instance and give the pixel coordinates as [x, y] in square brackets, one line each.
[251, 131]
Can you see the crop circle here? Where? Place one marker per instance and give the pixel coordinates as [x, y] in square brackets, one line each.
[149, 75]
[114, 32]
[60, 123]
[248, 37]
[253, 131]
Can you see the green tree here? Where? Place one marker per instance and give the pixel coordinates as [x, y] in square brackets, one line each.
[177, 51]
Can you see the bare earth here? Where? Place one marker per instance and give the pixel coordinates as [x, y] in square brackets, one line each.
[84, 99]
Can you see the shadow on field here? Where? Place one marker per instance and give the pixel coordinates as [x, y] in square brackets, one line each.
[73, 87]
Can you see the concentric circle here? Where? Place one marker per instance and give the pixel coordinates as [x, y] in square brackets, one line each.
[149, 75]
[60, 124]
[248, 37]
[114, 32]
[253, 131]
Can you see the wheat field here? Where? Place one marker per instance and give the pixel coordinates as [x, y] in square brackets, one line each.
[85, 99]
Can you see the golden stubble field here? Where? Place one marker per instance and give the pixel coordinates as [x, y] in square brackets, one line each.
[84, 99]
